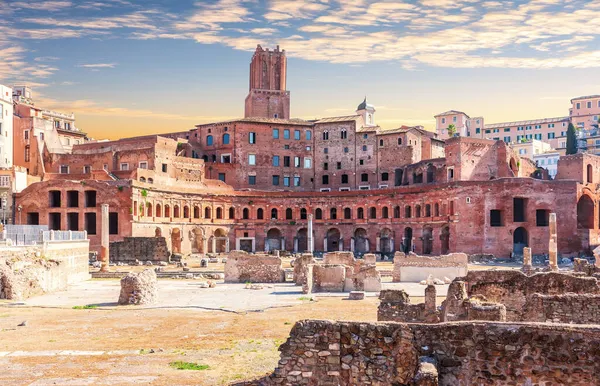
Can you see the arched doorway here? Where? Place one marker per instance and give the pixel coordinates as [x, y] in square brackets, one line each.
[585, 212]
[197, 241]
[220, 241]
[520, 240]
[157, 232]
[361, 241]
[385, 241]
[427, 238]
[407, 241]
[333, 240]
[176, 241]
[302, 240]
[273, 241]
[445, 238]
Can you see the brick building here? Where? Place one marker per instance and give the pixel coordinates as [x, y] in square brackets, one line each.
[251, 183]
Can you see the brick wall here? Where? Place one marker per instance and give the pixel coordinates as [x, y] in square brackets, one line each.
[242, 267]
[140, 248]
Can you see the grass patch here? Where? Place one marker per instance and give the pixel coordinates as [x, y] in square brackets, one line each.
[179, 365]
[86, 307]
[305, 298]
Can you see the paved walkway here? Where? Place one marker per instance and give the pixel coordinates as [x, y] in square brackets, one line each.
[188, 294]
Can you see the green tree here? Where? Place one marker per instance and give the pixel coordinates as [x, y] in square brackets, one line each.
[451, 130]
[571, 139]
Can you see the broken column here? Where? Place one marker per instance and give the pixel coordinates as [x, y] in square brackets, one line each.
[430, 314]
[527, 264]
[104, 239]
[553, 244]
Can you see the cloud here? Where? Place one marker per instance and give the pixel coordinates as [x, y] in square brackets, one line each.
[42, 5]
[98, 65]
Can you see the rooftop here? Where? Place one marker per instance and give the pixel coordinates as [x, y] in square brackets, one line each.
[585, 97]
[450, 112]
[530, 122]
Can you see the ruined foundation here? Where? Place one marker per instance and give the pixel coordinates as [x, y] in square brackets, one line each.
[242, 267]
[139, 288]
[415, 268]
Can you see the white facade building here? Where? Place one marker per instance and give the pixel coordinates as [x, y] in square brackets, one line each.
[6, 127]
[548, 161]
[531, 148]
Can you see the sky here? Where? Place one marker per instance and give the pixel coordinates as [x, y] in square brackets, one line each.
[135, 67]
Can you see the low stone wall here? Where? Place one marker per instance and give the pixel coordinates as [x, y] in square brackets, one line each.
[139, 288]
[415, 268]
[242, 267]
[341, 272]
[567, 308]
[464, 353]
[35, 270]
[584, 266]
[512, 288]
[482, 310]
[395, 306]
[152, 249]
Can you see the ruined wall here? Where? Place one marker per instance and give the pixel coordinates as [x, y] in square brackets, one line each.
[395, 306]
[301, 267]
[32, 271]
[513, 288]
[414, 268]
[242, 267]
[140, 248]
[564, 308]
[353, 353]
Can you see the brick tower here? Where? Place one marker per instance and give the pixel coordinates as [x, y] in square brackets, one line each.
[268, 97]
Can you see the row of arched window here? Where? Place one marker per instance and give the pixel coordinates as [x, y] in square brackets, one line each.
[426, 210]
[210, 140]
[158, 210]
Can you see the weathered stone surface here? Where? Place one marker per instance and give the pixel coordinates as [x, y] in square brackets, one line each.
[242, 267]
[300, 267]
[153, 249]
[414, 268]
[139, 288]
[356, 295]
[462, 353]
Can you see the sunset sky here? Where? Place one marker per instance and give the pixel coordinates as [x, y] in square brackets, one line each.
[137, 67]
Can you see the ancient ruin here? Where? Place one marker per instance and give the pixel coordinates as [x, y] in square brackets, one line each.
[242, 267]
[355, 353]
[341, 272]
[414, 268]
[139, 288]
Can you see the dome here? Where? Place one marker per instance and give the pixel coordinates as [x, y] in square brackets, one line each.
[365, 106]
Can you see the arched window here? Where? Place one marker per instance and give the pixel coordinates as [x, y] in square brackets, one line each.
[260, 214]
[176, 211]
[590, 177]
[288, 214]
[196, 212]
[399, 141]
[246, 214]
[158, 211]
[319, 214]
[347, 214]
[231, 213]
[427, 210]
[150, 180]
[219, 213]
[373, 212]
[384, 212]
[396, 212]
[142, 179]
[167, 211]
[273, 214]
[207, 212]
[418, 211]
[205, 158]
[360, 213]
[303, 214]
[149, 209]
[225, 139]
[407, 211]
[186, 212]
[333, 213]
[436, 209]
[209, 140]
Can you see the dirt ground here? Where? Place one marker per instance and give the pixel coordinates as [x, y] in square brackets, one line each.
[62, 346]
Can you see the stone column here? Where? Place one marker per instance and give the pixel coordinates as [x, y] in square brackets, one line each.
[295, 245]
[325, 244]
[104, 239]
[430, 298]
[351, 244]
[227, 245]
[283, 243]
[340, 244]
[204, 246]
[378, 244]
[214, 245]
[367, 245]
[553, 243]
[527, 265]
[309, 234]
[392, 245]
